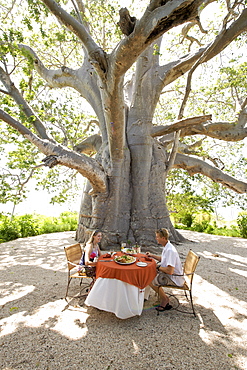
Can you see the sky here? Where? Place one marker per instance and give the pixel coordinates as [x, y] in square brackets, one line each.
[38, 202]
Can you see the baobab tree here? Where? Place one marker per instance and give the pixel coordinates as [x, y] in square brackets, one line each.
[126, 164]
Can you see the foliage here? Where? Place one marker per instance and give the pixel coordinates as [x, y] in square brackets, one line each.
[54, 57]
[242, 224]
[28, 225]
[31, 225]
[9, 229]
[185, 206]
[64, 119]
[205, 226]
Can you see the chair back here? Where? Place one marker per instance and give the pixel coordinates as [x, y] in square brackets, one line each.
[190, 264]
[73, 254]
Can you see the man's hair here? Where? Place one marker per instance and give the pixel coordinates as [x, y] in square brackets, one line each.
[163, 233]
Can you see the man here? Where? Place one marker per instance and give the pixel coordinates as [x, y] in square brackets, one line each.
[170, 264]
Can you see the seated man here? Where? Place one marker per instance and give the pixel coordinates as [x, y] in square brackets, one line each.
[170, 264]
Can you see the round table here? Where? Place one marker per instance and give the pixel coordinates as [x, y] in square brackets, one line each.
[131, 274]
[120, 288]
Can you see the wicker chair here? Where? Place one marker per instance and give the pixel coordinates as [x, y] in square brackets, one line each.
[189, 268]
[75, 271]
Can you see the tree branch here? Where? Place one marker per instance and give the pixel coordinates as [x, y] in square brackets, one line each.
[173, 70]
[194, 165]
[97, 55]
[84, 80]
[86, 166]
[174, 150]
[90, 145]
[126, 23]
[164, 130]
[234, 131]
[61, 77]
[24, 106]
[156, 20]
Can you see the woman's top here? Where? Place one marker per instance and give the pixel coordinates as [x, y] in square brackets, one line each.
[93, 254]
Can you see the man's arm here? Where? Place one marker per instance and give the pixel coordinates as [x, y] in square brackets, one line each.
[167, 270]
[155, 256]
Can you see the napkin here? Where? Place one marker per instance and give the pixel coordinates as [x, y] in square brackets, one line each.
[148, 258]
[107, 255]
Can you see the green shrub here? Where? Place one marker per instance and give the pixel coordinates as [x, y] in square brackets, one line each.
[70, 219]
[206, 227]
[9, 230]
[187, 219]
[200, 226]
[30, 225]
[242, 224]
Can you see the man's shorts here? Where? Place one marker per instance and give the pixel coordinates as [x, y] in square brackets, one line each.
[162, 279]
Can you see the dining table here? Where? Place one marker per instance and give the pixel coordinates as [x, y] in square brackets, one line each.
[120, 287]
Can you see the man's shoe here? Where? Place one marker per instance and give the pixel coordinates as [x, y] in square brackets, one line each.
[162, 308]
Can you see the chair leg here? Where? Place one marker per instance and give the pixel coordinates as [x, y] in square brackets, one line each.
[66, 294]
[86, 288]
[185, 293]
[191, 301]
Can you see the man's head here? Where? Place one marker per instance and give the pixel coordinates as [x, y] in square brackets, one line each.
[162, 236]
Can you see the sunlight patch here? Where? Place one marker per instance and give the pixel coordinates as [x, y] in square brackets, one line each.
[53, 316]
[70, 327]
[136, 348]
[12, 292]
[239, 272]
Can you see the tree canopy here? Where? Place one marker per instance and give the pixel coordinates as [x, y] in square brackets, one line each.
[165, 84]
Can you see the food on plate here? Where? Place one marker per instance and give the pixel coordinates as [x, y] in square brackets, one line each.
[128, 250]
[125, 259]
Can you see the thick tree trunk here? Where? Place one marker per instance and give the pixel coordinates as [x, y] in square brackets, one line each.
[134, 206]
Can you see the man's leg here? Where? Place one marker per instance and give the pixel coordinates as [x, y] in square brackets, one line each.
[163, 297]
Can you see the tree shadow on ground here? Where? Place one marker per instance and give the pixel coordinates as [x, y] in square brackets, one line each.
[41, 330]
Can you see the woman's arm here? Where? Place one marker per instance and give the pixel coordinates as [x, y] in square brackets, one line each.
[99, 251]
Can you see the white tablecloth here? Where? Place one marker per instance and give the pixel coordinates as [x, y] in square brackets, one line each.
[116, 296]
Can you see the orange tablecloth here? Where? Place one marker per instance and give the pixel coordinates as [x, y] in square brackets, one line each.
[131, 274]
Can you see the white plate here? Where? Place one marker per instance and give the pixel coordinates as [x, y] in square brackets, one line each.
[126, 263]
[141, 264]
[128, 250]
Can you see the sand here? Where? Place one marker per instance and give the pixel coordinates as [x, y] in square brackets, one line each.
[40, 330]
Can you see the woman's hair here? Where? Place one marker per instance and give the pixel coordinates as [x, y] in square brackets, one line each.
[94, 233]
[163, 233]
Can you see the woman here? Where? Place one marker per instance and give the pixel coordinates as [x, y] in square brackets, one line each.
[92, 251]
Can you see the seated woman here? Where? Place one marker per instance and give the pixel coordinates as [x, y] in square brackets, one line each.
[91, 253]
[92, 250]
[170, 264]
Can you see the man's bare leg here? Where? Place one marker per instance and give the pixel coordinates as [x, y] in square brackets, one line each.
[163, 297]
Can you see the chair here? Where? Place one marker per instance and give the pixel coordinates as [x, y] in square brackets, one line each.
[73, 254]
[189, 268]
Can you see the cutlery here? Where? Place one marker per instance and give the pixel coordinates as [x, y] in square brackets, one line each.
[105, 260]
